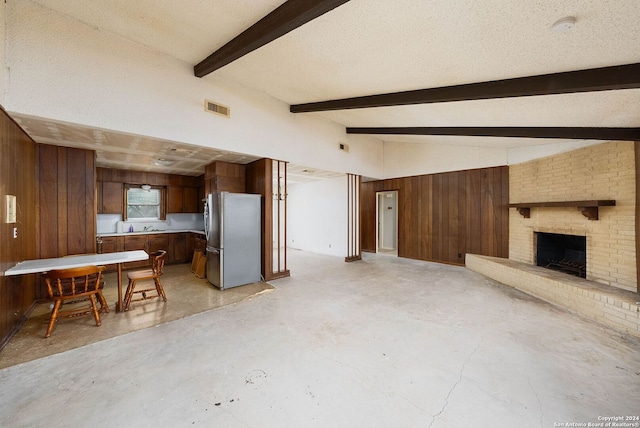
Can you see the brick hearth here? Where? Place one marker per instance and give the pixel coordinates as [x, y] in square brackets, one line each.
[603, 304]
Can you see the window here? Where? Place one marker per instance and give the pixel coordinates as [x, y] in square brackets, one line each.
[144, 204]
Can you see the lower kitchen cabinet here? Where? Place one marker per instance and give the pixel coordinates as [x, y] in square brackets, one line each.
[159, 242]
[179, 247]
[111, 244]
[136, 242]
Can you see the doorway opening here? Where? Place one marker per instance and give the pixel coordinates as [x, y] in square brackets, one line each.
[387, 222]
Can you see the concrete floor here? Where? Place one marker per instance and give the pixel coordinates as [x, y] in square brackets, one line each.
[384, 342]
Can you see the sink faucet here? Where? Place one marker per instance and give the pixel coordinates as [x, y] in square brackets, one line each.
[146, 228]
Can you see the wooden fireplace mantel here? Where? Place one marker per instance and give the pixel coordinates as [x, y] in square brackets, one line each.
[589, 209]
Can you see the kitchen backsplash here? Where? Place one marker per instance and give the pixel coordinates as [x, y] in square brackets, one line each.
[112, 223]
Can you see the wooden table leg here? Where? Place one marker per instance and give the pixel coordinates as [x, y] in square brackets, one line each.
[119, 302]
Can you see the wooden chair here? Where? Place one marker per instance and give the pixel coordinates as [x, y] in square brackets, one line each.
[104, 306]
[157, 266]
[72, 286]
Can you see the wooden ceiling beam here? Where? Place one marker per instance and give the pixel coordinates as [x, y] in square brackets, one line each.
[590, 80]
[285, 18]
[579, 133]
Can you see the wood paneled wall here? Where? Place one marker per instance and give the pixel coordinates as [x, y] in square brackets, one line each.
[18, 178]
[67, 205]
[224, 177]
[441, 217]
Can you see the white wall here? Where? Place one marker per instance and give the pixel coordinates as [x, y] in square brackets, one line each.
[316, 217]
[65, 70]
[525, 154]
[3, 41]
[407, 159]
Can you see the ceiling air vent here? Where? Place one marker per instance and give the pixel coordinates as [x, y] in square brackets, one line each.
[216, 108]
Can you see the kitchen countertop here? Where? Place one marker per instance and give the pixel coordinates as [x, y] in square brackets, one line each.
[149, 232]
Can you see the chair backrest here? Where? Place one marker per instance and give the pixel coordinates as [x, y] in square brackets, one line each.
[72, 282]
[157, 261]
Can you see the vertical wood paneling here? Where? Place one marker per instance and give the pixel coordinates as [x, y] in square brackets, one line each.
[76, 214]
[67, 205]
[464, 214]
[405, 225]
[453, 235]
[368, 215]
[17, 178]
[48, 201]
[504, 211]
[436, 217]
[426, 217]
[256, 183]
[489, 238]
[444, 215]
[475, 212]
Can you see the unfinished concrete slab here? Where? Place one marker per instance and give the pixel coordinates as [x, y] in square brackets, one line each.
[376, 343]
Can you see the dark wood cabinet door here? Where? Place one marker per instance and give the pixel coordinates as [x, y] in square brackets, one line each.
[136, 242]
[175, 197]
[111, 199]
[191, 200]
[179, 247]
[109, 245]
[158, 242]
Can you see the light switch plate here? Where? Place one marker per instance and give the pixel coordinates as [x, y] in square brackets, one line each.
[10, 216]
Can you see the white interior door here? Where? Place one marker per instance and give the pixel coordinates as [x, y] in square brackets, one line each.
[387, 236]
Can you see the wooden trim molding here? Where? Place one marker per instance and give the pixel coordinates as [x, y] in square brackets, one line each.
[579, 133]
[589, 80]
[285, 18]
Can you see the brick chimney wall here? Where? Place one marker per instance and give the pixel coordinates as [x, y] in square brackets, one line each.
[603, 171]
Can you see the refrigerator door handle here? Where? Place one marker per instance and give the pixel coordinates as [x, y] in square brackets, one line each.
[206, 220]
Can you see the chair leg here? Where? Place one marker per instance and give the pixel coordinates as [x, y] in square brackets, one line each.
[129, 294]
[104, 306]
[54, 317]
[159, 289]
[94, 309]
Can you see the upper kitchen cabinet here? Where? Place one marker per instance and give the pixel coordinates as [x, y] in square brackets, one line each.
[190, 201]
[182, 199]
[183, 193]
[110, 197]
[225, 177]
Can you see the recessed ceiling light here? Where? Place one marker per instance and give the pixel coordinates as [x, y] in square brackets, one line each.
[564, 24]
[162, 162]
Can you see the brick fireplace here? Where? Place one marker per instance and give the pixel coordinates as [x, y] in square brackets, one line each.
[548, 198]
[601, 172]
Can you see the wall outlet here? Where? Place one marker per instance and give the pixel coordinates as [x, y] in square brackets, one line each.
[15, 232]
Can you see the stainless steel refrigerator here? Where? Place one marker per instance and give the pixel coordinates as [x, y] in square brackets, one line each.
[233, 231]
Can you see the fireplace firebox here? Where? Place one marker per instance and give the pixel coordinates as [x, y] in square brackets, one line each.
[564, 253]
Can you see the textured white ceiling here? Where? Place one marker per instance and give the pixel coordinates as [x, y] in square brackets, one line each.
[366, 47]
